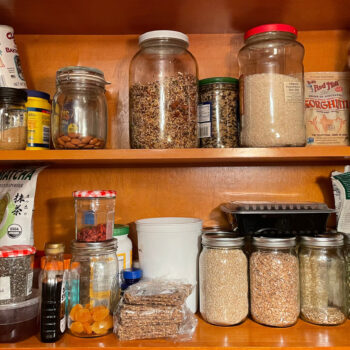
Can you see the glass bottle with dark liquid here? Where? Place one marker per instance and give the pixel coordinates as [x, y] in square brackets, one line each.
[53, 320]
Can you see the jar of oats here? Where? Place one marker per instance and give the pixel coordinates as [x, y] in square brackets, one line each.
[274, 281]
[223, 279]
[272, 87]
[323, 280]
[163, 92]
[218, 112]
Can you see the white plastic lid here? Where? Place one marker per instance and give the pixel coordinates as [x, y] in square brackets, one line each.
[159, 34]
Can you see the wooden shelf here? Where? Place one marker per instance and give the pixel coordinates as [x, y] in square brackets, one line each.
[248, 335]
[190, 16]
[179, 156]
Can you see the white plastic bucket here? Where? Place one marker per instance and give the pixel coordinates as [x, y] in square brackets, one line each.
[169, 248]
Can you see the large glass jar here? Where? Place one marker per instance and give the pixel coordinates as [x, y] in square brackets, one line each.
[218, 112]
[94, 215]
[223, 279]
[322, 280]
[163, 92]
[94, 288]
[274, 281]
[272, 87]
[79, 109]
[347, 262]
[13, 118]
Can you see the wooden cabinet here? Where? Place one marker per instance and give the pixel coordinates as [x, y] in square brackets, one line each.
[149, 183]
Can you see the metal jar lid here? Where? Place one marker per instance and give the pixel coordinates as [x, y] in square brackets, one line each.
[94, 248]
[326, 240]
[222, 240]
[274, 242]
[54, 248]
[80, 74]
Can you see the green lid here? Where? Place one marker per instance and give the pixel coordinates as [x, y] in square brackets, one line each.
[120, 230]
[227, 80]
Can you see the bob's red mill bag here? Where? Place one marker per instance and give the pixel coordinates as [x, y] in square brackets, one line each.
[327, 108]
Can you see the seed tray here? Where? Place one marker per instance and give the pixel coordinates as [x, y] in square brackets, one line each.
[253, 218]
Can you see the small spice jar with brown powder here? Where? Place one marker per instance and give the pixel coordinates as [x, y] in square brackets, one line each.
[163, 92]
[13, 118]
[274, 281]
[218, 112]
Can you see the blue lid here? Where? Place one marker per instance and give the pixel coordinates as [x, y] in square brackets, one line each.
[39, 94]
[132, 274]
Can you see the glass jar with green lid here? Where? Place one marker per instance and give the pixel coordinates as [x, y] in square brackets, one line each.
[218, 112]
[322, 279]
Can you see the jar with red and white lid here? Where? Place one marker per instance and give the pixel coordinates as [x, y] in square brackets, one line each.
[94, 215]
[16, 273]
[272, 87]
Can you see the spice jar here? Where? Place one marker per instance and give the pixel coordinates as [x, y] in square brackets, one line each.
[163, 92]
[223, 279]
[13, 118]
[274, 281]
[79, 109]
[94, 215]
[16, 273]
[322, 279]
[94, 288]
[272, 87]
[218, 112]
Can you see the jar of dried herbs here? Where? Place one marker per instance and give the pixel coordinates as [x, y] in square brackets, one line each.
[163, 92]
[218, 112]
[322, 280]
[274, 281]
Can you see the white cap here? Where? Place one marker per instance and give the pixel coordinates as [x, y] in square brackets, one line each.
[158, 34]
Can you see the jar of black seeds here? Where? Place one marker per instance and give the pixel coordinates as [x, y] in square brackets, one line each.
[16, 273]
[218, 112]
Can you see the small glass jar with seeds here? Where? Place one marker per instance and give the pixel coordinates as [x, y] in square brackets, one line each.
[223, 279]
[218, 112]
[16, 273]
[322, 280]
[274, 281]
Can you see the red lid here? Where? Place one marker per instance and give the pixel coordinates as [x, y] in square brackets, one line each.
[16, 250]
[94, 194]
[270, 28]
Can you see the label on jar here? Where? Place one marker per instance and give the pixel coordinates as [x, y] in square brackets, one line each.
[29, 283]
[292, 92]
[204, 119]
[38, 128]
[5, 290]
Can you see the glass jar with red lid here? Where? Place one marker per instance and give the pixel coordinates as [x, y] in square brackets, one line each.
[272, 87]
[94, 215]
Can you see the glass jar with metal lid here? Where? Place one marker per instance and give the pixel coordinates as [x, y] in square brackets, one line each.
[322, 279]
[94, 288]
[274, 281]
[79, 109]
[218, 112]
[272, 87]
[13, 118]
[163, 92]
[347, 268]
[223, 279]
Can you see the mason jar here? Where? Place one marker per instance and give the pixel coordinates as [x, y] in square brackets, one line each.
[79, 109]
[274, 281]
[94, 288]
[223, 279]
[272, 87]
[322, 279]
[94, 215]
[13, 119]
[347, 268]
[163, 92]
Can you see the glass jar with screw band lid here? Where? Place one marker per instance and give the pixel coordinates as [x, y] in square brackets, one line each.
[274, 281]
[218, 112]
[95, 289]
[322, 279]
[13, 118]
[79, 109]
[223, 279]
